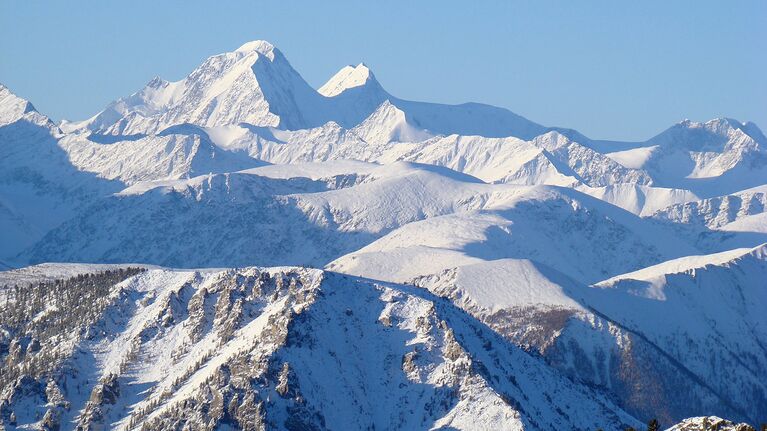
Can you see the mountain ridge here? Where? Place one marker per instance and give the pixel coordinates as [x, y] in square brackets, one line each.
[508, 263]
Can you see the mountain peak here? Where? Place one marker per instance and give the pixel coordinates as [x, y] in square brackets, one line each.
[719, 124]
[719, 130]
[14, 108]
[260, 46]
[348, 77]
[388, 123]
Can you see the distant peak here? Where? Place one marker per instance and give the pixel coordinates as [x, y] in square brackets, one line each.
[713, 123]
[346, 78]
[722, 126]
[13, 108]
[11, 103]
[387, 110]
[260, 46]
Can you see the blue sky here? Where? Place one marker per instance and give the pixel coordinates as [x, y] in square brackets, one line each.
[611, 69]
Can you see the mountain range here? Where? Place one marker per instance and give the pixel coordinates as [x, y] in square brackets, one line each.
[237, 250]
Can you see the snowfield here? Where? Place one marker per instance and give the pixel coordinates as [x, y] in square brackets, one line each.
[237, 250]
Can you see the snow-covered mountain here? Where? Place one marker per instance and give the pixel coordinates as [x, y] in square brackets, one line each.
[706, 313]
[501, 274]
[277, 348]
[716, 157]
[39, 186]
[719, 211]
[255, 84]
[691, 325]
[356, 216]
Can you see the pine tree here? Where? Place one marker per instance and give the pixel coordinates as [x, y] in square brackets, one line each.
[653, 425]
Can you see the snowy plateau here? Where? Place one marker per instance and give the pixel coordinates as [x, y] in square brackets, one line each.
[237, 250]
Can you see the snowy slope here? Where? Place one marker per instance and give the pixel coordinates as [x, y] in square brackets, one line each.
[713, 158]
[14, 108]
[280, 348]
[717, 211]
[39, 187]
[640, 200]
[254, 84]
[249, 218]
[520, 222]
[206, 221]
[720, 223]
[52, 271]
[542, 310]
[177, 152]
[691, 325]
[389, 135]
[707, 313]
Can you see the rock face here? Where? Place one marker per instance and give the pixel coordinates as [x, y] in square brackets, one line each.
[275, 348]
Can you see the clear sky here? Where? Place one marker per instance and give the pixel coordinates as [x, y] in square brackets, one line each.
[611, 69]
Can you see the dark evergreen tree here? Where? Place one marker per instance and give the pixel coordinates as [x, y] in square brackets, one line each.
[653, 425]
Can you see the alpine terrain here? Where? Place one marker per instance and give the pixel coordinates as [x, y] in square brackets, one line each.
[239, 250]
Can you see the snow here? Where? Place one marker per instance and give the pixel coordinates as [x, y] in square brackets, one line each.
[640, 200]
[51, 271]
[260, 46]
[12, 107]
[751, 223]
[634, 158]
[682, 264]
[701, 423]
[346, 78]
[704, 311]
[505, 283]
[422, 360]
[315, 171]
[576, 249]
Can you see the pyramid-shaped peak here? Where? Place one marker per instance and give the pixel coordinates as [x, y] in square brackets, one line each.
[7, 97]
[13, 108]
[348, 77]
[389, 123]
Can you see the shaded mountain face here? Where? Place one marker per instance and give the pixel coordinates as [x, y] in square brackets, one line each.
[606, 283]
[39, 186]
